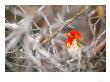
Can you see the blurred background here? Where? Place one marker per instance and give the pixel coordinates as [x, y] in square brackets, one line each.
[35, 39]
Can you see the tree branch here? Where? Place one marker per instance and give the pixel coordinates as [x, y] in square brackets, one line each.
[68, 22]
[101, 46]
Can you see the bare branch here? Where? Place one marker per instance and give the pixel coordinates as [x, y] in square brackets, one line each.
[68, 22]
[101, 46]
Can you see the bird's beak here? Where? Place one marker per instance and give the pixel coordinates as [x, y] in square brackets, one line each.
[68, 34]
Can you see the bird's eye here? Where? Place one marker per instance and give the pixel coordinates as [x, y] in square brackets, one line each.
[73, 34]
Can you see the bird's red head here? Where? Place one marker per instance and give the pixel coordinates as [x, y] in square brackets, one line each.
[72, 35]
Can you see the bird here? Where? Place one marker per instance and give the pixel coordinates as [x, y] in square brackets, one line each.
[73, 44]
[73, 36]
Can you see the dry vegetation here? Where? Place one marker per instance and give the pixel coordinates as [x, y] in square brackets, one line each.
[35, 38]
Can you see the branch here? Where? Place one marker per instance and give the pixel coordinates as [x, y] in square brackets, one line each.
[68, 22]
[101, 46]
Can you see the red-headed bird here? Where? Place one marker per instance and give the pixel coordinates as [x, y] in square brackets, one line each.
[73, 36]
[73, 45]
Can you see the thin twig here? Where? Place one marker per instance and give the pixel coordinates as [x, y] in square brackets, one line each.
[41, 8]
[68, 22]
[99, 37]
[45, 18]
[67, 7]
[15, 14]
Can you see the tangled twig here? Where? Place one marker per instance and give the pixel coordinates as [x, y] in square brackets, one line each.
[68, 22]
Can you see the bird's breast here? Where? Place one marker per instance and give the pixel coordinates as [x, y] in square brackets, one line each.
[74, 50]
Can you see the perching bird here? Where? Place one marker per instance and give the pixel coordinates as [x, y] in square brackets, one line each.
[73, 45]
